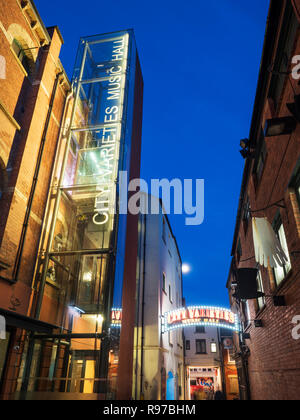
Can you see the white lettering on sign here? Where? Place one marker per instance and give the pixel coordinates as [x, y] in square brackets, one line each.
[296, 69]
[104, 201]
[197, 315]
[296, 329]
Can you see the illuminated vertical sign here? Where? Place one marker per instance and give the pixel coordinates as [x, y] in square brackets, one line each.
[108, 152]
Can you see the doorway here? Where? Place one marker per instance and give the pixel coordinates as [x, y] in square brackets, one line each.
[171, 387]
[4, 345]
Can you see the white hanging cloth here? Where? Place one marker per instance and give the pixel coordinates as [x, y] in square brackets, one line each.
[266, 244]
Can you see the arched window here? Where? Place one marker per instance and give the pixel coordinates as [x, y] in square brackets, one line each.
[21, 54]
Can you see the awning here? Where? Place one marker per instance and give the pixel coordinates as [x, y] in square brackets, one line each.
[268, 250]
[23, 322]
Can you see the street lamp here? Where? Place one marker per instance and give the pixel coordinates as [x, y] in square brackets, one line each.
[186, 268]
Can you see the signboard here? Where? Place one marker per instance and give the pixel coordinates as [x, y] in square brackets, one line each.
[200, 316]
[116, 317]
[228, 344]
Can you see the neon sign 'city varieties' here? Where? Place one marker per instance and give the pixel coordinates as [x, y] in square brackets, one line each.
[105, 199]
[200, 316]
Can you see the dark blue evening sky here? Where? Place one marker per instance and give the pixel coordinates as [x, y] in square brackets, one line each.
[200, 62]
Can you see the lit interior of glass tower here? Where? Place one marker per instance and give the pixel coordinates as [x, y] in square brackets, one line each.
[80, 271]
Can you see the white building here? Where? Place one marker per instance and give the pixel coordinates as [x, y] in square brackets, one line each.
[202, 360]
[159, 358]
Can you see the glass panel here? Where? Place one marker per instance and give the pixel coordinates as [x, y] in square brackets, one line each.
[101, 53]
[80, 225]
[83, 277]
[74, 280]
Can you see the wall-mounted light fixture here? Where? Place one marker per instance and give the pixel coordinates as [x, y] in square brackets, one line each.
[258, 323]
[280, 126]
[246, 151]
[279, 301]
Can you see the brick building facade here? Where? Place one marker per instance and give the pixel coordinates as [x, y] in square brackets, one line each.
[66, 258]
[267, 355]
[33, 91]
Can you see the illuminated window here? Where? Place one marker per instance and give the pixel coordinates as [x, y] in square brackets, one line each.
[280, 273]
[213, 348]
[19, 51]
[200, 346]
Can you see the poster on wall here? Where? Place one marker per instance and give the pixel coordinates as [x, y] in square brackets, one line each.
[201, 387]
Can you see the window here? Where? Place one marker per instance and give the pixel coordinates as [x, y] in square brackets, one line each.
[247, 214]
[200, 330]
[260, 288]
[200, 346]
[170, 294]
[164, 282]
[260, 160]
[188, 345]
[19, 51]
[213, 348]
[296, 185]
[280, 273]
[164, 231]
[233, 384]
[285, 49]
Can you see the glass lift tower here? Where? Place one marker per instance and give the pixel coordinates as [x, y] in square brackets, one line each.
[83, 262]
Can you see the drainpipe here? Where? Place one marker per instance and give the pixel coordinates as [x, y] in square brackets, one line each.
[143, 308]
[20, 250]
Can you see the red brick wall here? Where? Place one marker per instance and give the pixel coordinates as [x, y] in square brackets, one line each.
[27, 100]
[274, 355]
